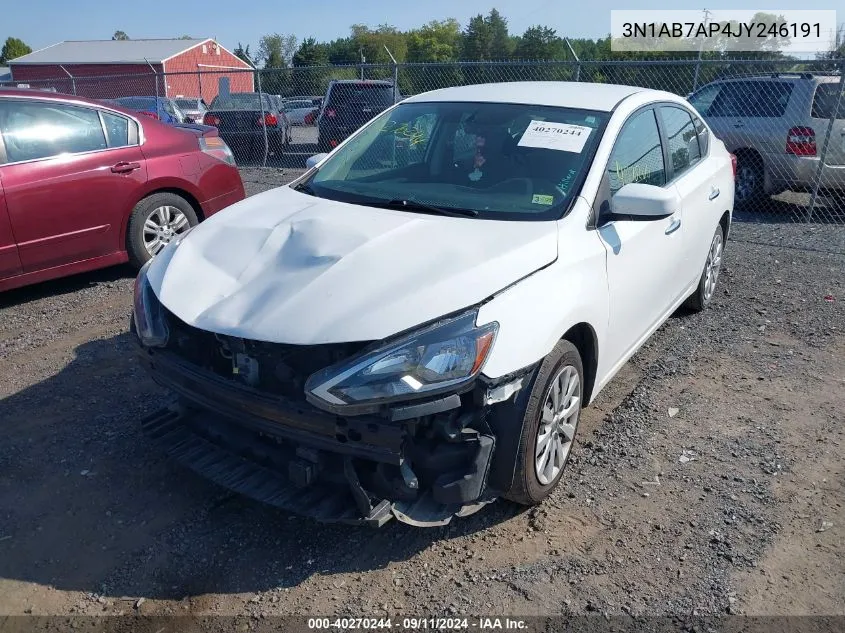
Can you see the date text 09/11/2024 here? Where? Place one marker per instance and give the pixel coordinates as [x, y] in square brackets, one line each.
[418, 624]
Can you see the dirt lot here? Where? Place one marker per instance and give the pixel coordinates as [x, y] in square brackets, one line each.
[709, 477]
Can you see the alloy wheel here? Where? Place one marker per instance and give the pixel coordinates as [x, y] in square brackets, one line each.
[162, 225]
[559, 421]
[713, 265]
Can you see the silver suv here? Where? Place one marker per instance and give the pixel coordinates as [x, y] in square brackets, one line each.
[775, 125]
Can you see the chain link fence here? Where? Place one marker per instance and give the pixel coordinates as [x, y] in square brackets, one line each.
[784, 120]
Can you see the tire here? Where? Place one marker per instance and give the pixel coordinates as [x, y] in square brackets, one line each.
[528, 488]
[750, 178]
[706, 288]
[165, 210]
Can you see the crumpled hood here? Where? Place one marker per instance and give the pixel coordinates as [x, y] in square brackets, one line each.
[287, 267]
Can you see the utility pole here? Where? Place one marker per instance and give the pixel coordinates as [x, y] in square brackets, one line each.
[578, 61]
[700, 47]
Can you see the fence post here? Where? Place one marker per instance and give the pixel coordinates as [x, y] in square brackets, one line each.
[263, 120]
[837, 103]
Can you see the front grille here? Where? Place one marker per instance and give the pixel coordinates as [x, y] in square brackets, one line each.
[282, 369]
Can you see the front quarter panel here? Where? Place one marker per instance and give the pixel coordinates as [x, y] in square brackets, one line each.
[535, 313]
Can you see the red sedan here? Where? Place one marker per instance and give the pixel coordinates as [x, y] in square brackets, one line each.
[85, 185]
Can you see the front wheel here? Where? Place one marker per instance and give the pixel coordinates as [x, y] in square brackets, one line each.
[549, 424]
[706, 288]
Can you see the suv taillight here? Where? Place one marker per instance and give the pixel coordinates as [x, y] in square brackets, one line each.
[733, 164]
[269, 120]
[210, 119]
[801, 141]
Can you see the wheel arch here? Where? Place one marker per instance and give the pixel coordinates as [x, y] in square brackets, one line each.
[583, 337]
[751, 153]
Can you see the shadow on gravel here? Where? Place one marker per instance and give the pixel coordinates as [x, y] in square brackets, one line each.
[89, 505]
[65, 285]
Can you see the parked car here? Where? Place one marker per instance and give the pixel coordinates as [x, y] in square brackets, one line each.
[775, 125]
[348, 104]
[296, 111]
[242, 119]
[84, 185]
[311, 117]
[412, 327]
[194, 108]
[159, 108]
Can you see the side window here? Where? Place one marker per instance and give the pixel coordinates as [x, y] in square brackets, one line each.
[117, 129]
[732, 100]
[34, 130]
[703, 99]
[637, 155]
[684, 151]
[703, 136]
[770, 98]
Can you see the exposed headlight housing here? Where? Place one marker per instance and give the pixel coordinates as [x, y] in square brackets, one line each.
[150, 324]
[437, 359]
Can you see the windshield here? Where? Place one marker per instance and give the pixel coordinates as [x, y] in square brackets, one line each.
[297, 105]
[361, 93]
[187, 104]
[240, 101]
[138, 103]
[499, 161]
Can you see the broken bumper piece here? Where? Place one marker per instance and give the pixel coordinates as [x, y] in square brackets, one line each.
[362, 469]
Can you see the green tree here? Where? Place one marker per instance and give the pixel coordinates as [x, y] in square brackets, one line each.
[120, 35]
[500, 41]
[275, 50]
[343, 51]
[540, 42]
[435, 42]
[487, 38]
[244, 54]
[311, 53]
[13, 48]
[310, 75]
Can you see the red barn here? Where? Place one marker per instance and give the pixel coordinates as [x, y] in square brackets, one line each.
[106, 69]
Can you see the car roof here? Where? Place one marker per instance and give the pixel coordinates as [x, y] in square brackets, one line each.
[44, 95]
[566, 94]
[374, 82]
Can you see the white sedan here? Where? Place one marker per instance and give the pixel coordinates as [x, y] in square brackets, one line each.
[412, 327]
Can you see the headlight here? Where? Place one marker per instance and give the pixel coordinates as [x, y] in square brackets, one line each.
[439, 358]
[150, 324]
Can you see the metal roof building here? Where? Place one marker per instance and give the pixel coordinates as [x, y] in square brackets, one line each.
[119, 68]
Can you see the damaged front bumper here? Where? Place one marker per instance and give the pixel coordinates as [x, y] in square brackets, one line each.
[422, 464]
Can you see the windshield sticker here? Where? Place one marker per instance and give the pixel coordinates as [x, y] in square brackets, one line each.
[563, 137]
[563, 185]
[414, 135]
[541, 199]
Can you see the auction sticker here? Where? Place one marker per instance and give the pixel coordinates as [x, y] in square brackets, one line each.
[563, 137]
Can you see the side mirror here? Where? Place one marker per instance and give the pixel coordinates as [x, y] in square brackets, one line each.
[646, 201]
[313, 160]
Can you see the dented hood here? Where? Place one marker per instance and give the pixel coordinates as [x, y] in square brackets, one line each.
[287, 267]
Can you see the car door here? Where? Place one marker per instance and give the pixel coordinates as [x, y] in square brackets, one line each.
[72, 176]
[698, 183]
[643, 255]
[10, 262]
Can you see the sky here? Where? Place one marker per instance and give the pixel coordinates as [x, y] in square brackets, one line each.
[232, 22]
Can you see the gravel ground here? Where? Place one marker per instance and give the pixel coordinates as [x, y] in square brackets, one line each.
[707, 479]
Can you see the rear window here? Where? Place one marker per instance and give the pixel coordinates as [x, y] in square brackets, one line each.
[187, 104]
[362, 93]
[240, 101]
[138, 103]
[759, 99]
[825, 101]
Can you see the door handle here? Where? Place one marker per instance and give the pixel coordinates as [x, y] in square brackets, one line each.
[125, 168]
[714, 193]
[674, 226]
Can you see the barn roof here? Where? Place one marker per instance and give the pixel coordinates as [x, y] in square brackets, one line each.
[109, 51]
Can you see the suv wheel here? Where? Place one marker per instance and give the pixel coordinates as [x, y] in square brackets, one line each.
[749, 180]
